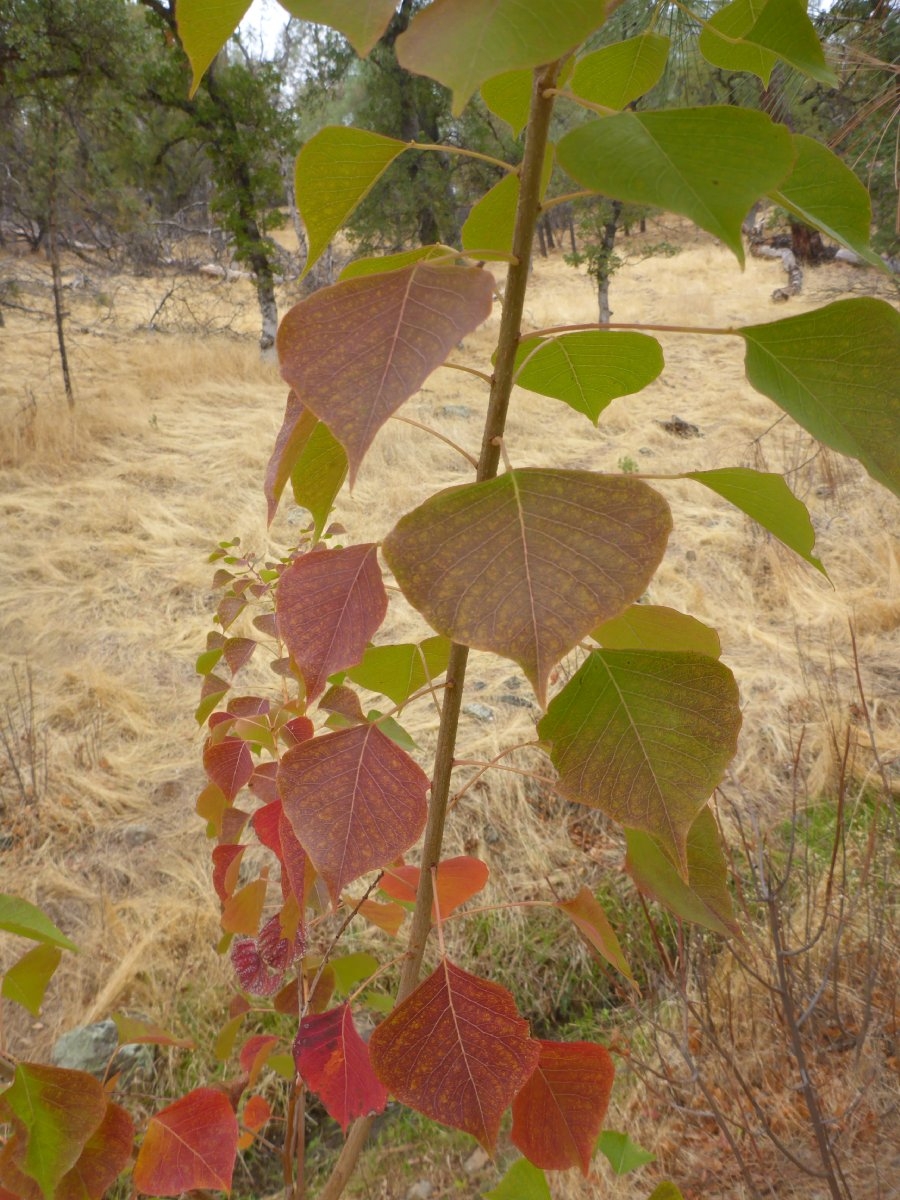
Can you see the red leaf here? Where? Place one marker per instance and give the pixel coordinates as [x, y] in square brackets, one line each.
[458, 880]
[356, 351]
[265, 822]
[256, 1113]
[355, 801]
[190, 1144]
[234, 821]
[226, 869]
[559, 1112]
[292, 437]
[248, 706]
[228, 764]
[295, 875]
[334, 1062]
[262, 782]
[329, 606]
[238, 652]
[345, 701]
[456, 1050]
[254, 1053]
[106, 1154]
[300, 729]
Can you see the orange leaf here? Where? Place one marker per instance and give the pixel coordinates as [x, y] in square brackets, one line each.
[242, 911]
[106, 1154]
[458, 880]
[388, 917]
[558, 1113]
[254, 1053]
[357, 350]
[355, 801]
[592, 922]
[456, 1050]
[329, 605]
[190, 1144]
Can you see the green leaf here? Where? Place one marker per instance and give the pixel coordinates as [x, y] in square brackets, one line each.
[335, 171]
[736, 20]
[766, 497]
[18, 916]
[399, 671]
[522, 1181]
[618, 74]
[784, 27]
[351, 969]
[508, 96]
[527, 564]
[645, 736]
[362, 22]
[490, 223]
[26, 980]
[393, 262]
[654, 627]
[823, 192]
[836, 371]
[318, 475]
[624, 1155]
[665, 1191]
[463, 43]
[394, 730]
[53, 1113]
[704, 899]
[709, 164]
[588, 370]
[207, 661]
[204, 26]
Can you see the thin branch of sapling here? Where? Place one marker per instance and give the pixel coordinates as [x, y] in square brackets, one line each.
[428, 690]
[546, 205]
[509, 168]
[602, 109]
[482, 375]
[369, 980]
[470, 458]
[593, 326]
[334, 941]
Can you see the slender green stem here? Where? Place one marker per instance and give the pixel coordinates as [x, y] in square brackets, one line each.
[488, 158]
[546, 205]
[705, 330]
[603, 109]
[470, 458]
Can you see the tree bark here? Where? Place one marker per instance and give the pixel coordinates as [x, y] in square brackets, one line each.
[56, 273]
[604, 271]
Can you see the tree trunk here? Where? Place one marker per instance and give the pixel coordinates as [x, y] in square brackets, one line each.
[604, 270]
[53, 255]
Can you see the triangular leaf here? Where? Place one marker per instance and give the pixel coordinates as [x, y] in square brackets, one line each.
[645, 736]
[318, 475]
[527, 564]
[254, 1055]
[824, 192]
[229, 765]
[588, 917]
[329, 604]
[26, 981]
[708, 164]
[558, 1113]
[491, 221]
[730, 51]
[655, 627]
[204, 26]
[508, 96]
[456, 1050]
[53, 1113]
[336, 170]
[400, 670]
[766, 497]
[588, 370]
[355, 800]
[27, 920]
[618, 74]
[362, 22]
[624, 1155]
[350, 970]
[458, 880]
[133, 1031]
[784, 27]
[522, 1181]
[333, 1061]
[241, 912]
[393, 262]
[354, 352]
[836, 371]
[106, 1154]
[666, 1190]
[705, 898]
[388, 917]
[189, 1144]
[463, 43]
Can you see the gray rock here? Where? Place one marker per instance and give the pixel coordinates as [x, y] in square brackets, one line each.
[514, 682]
[137, 835]
[480, 712]
[515, 701]
[455, 410]
[420, 1190]
[476, 1161]
[91, 1048]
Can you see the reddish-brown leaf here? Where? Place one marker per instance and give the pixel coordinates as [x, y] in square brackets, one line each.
[226, 869]
[296, 876]
[254, 1053]
[333, 1061]
[298, 730]
[458, 880]
[343, 700]
[266, 821]
[587, 914]
[228, 764]
[456, 1050]
[354, 352]
[329, 605]
[106, 1154]
[528, 564]
[248, 706]
[297, 425]
[190, 1144]
[355, 800]
[238, 652]
[558, 1113]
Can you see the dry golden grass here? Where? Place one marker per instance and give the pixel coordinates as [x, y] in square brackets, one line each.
[108, 514]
